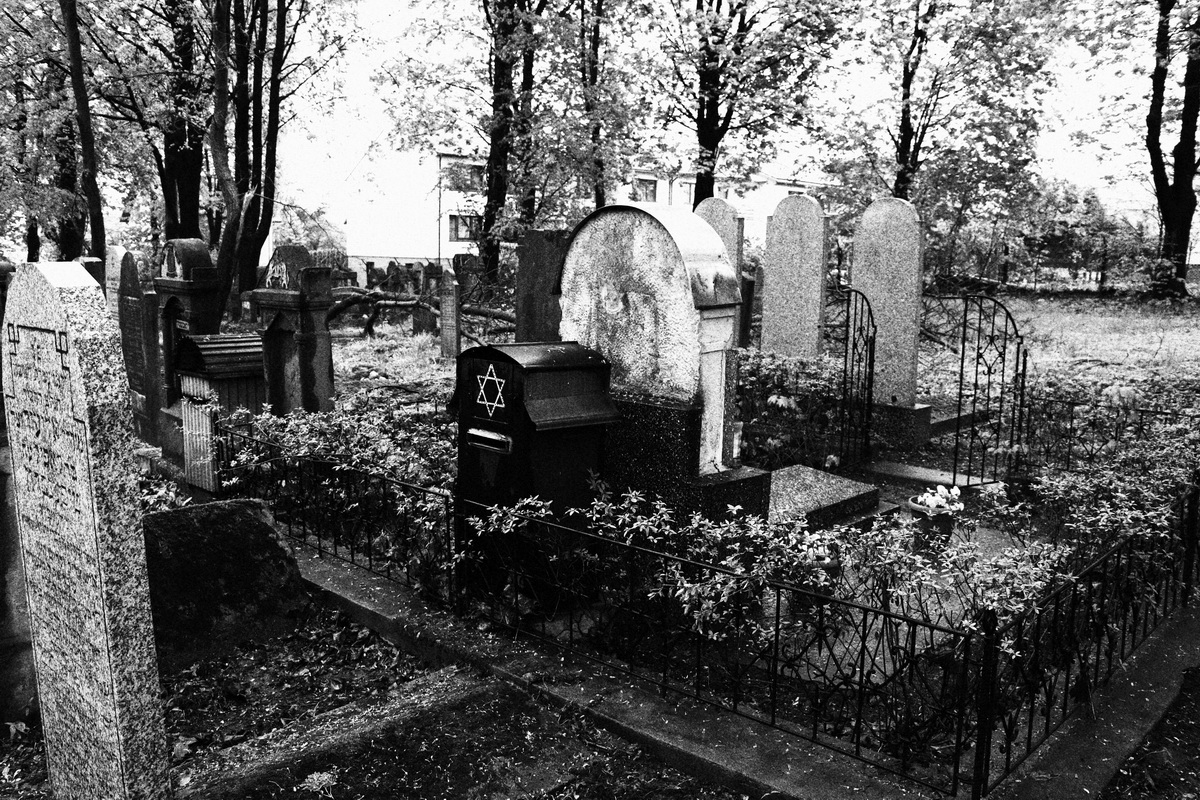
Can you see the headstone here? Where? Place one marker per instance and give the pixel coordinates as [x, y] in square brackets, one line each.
[888, 249]
[540, 255]
[137, 317]
[428, 279]
[652, 289]
[794, 270]
[81, 538]
[654, 292]
[297, 349]
[113, 256]
[283, 271]
[94, 267]
[730, 225]
[450, 309]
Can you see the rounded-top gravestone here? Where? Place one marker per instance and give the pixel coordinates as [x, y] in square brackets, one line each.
[635, 280]
[794, 269]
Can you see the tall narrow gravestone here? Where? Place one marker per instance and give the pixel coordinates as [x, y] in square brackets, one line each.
[888, 249]
[67, 404]
[794, 271]
[730, 225]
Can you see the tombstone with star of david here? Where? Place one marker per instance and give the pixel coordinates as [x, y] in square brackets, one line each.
[532, 419]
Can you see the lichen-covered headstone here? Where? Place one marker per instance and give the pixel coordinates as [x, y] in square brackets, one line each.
[887, 269]
[67, 404]
[652, 289]
[794, 271]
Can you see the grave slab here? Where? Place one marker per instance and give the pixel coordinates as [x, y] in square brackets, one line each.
[70, 430]
[824, 498]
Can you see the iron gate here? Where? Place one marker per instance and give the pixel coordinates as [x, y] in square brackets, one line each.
[991, 416]
[850, 335]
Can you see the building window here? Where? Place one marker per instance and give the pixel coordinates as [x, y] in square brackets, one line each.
[460, 177]
[645, 190]
[687, 193]
[466, 227]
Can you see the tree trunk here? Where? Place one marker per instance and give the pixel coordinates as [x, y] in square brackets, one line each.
[33, 242]
[1174, 193]
[183, 139]
[590, 67]
[68, 227]
[499, 137]
[83, 119]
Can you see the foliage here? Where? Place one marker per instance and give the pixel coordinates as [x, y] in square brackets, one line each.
[789, 408]
[161, 494]
[366, 432]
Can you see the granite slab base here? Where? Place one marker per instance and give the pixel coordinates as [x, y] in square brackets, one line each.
[902, 427]
[822, 497]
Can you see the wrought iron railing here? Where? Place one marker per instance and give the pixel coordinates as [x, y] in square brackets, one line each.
[1066, 436]
[817, 419]
[940, 706]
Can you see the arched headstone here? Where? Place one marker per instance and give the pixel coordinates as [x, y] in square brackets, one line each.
[653, 290]
[888, 248]
[794, 273]
[730, 225]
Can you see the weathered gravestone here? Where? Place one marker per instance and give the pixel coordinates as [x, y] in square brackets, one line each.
[888, 249]
[81, 538]
[730, 225]
[652, 290]
[297, 350]
[137, 317]
[114, 255]
[283, 270]
[540, 255]
[450, 308]
[794, 271]
[428, 279]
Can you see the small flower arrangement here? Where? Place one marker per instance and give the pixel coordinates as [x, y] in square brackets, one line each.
[940, 499]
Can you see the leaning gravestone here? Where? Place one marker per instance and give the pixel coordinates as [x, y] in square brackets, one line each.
[794, 271]
[78, 515]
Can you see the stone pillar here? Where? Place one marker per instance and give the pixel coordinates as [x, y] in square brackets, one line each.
[297, 347]
[450, 306]
[540, 255]
[81, 539]
[794, 269]
[428, 290]
[730, 225]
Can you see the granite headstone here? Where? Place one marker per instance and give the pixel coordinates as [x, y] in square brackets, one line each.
[730, 225]
[887, 269]
[67, 406]
[794, 270]
[540, 255]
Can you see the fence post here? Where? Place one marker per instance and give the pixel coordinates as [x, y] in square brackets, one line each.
[985, 704]
[1191, 524]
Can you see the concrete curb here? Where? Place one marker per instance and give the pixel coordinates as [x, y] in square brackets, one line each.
[1078, 761]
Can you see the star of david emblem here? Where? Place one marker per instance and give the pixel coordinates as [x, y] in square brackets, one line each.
[484, 398]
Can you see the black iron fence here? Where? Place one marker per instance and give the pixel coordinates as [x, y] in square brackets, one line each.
[1066, 435]
[943, 707]
[815, 413]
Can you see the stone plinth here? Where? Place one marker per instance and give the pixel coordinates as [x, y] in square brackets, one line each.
[297, 347]
[540, 256]
[794, 268]
[67, 405]
[888, 250]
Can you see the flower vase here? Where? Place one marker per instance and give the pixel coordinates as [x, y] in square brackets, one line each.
[933, 526]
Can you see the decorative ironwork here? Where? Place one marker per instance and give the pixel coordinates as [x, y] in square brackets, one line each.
[990, 410]
[942, 707]
[813, 413]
